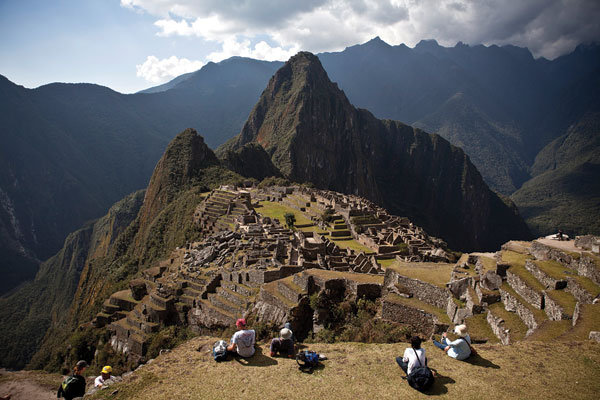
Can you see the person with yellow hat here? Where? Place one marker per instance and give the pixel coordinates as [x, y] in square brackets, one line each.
[105, 375]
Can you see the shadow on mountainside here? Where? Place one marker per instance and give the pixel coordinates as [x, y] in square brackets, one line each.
[257, 360]
[479, 361]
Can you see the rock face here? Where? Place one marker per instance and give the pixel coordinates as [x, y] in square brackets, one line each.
[313, 134]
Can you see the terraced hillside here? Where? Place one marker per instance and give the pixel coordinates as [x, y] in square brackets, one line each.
[342, 249]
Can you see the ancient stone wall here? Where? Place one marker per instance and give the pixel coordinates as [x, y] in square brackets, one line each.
[534, 298]
[424, 291]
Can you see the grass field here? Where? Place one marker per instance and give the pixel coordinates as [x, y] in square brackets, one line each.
[368, 371]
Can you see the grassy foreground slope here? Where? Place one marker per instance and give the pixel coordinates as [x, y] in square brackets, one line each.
[360, 371]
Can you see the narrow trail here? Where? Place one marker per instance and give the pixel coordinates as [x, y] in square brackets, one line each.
[20, 386]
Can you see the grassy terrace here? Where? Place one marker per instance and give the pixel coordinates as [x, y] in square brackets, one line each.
[435, 273]
[517, 267]
[354, 245]
[587, 284]
[420, 305]
[550, 330]
[589, 320]
[565, 299]
[352, 276]
[511, 321]
[479, 329]
[489, 264]
[367, 371]
[553, 269]
[277, 210]
[539, 315]
[385, 263]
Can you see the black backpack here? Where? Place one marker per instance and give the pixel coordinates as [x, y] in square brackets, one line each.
[220, 351]
[421, 377]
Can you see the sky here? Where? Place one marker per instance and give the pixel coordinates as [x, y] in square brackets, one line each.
[130, 45]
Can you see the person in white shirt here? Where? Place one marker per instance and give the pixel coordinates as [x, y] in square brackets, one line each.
[242, 342]
[104, 376]
[414, 356]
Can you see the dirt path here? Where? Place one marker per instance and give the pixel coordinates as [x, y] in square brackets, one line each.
[27, 385]
[567, 245]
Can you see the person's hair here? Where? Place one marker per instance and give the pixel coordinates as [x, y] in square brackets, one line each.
[415, 342]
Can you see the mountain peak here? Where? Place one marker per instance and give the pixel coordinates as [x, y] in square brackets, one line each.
[427, 44]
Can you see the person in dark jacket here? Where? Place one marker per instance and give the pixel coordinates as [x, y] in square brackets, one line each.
[74, 385]
[284, 344]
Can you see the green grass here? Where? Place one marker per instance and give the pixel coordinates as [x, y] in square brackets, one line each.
[479, 329]
[539, 315]
[435, 273]
[553, 269]
[517, 266]
[564, 299]
[385, 263]
[588, 285]
[489, 264]
[354, 245]
[352, 276]
[550, 330]
[589, 320]
[511, 321]
[514, 258]
[277, 210]
[368, 371]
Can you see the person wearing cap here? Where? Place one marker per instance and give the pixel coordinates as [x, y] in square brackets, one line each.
[284, 344]
[242, 342]
[75, 387]
[459, 348]
[104, 376]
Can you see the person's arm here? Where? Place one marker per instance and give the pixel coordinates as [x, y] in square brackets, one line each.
[405, 356]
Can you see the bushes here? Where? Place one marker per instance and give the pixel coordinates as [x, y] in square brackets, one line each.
[168, 338]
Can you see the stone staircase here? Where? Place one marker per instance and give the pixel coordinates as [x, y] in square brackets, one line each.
[217, 212]
[229, 301]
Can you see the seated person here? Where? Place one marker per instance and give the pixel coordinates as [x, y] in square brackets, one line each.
[460, 348]
[242, 342]
[284, 344]
[104, 376]
[409, 361]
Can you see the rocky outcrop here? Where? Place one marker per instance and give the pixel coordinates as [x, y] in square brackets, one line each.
[313, 134]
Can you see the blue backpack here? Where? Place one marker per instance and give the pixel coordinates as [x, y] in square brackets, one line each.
[220, 351]
[307, 360]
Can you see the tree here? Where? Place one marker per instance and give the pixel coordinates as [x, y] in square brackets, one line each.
[290, 219]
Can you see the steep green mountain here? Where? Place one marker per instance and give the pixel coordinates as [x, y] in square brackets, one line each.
[27, 314]
[68, 152]
[313, 134]
[101, 258]
[565, 191]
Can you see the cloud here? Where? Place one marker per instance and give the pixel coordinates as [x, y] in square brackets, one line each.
[274, 27]
[159, 71]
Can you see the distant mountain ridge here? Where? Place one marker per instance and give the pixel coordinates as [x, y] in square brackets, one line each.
[70, 150]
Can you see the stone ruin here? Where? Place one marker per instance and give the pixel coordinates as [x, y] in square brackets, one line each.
[248, 263]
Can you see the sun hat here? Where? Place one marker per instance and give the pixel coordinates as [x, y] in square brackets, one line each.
[240, 322]
[460, 330]
[285, 333]
[107, 369]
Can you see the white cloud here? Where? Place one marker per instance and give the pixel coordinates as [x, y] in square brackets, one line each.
[159, 71]
[548, 27]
